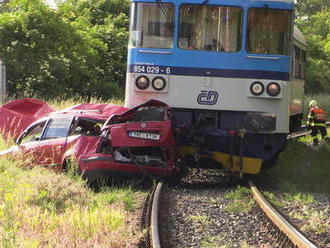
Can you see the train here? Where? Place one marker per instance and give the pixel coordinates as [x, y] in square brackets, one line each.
[231, 71]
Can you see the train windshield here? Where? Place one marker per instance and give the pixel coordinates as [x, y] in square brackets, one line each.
[212, 28]
[152, 25]
[269, 31]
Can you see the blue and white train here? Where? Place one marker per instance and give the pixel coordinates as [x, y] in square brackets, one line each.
[231, 70]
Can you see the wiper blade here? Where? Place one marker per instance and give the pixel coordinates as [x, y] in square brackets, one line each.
[160, 5]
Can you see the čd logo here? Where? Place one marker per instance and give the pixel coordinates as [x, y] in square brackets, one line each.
[207, 97]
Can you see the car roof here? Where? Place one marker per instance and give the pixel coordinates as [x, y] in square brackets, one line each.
[95, 114]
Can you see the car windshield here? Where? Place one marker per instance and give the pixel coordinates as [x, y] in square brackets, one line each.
[212, 28]
[269, 31]
[152, 25]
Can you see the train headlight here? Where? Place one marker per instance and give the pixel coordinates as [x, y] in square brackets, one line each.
[257, 88]
[273, 89]
[158, 83]
[142, 82]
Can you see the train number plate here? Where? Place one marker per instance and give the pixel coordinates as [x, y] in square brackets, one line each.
[144, 135]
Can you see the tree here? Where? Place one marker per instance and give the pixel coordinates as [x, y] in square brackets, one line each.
[316, 29]
[308, 8]
[68, 52]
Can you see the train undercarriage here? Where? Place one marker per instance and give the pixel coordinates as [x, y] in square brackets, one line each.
[156, 140]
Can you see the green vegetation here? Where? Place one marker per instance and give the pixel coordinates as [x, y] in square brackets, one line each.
[59, 103]
[298, 198]
[212, 242]
[313, 18]
[303, 207]
[200, 218]
[78, 49]
[41, 208]
[299, 169]
[318, 221]
[242, 200]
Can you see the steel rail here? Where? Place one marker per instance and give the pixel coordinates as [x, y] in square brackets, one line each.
[297, 135]
[292, 233]
[303, 132]
[154, 225]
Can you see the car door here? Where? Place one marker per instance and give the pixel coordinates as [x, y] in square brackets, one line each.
[28, 142]
[53, 142]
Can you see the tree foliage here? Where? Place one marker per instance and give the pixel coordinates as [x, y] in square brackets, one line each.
[313, 18]
[308, 8]
[78, 49]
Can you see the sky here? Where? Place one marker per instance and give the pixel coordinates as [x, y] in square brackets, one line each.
[51, 3]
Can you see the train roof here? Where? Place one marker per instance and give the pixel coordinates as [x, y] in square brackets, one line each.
[298, 36]
[287, 1]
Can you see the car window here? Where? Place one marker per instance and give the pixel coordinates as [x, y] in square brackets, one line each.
[87, 126]
[34, 133]
[57, 128]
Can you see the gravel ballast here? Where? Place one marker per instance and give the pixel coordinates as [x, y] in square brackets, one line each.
[198, 213]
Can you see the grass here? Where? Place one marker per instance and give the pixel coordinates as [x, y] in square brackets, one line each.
[299, 169]
[213, 242]
[63, 104]
[39, 208]
[242, 200]
[302, 208]
[204, 219]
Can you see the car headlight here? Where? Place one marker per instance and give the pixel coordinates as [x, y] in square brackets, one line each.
[158, 83]
[142, 82]
[257, 88]
[273, 89]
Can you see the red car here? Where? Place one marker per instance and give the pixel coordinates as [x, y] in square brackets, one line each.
[135, 142]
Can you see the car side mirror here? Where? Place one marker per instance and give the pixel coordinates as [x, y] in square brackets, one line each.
[19, 140]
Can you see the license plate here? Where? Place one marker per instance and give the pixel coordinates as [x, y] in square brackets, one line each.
[143, 135]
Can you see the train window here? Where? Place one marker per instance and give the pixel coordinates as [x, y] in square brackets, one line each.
[212, 28]
[152, 25]
[269, 31]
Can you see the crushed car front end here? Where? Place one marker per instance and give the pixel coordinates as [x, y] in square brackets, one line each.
[137, 143]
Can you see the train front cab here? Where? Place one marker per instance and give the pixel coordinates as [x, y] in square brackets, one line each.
[226, 72]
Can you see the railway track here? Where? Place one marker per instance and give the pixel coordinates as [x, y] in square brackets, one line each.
[151, 218]
[284, 235]
[291, 237]
[302, 132]
[154, 223]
